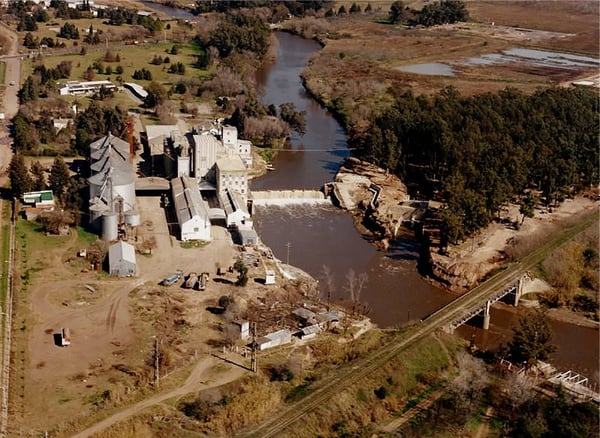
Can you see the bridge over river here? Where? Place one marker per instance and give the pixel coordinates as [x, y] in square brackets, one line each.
[445, 317]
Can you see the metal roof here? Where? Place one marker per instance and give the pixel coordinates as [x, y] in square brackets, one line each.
[187, 200]
[153, 131]
[121, 251]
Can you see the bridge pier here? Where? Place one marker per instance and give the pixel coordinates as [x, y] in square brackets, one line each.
[519, 290]
[486, 315]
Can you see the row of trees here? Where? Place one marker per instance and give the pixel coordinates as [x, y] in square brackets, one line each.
[42, 82]
[32, 42]
[294, 8]
[448, 11]
[121, 16]
[480, 151]
[34, 179]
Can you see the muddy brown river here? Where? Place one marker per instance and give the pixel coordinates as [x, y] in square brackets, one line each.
[316, 237]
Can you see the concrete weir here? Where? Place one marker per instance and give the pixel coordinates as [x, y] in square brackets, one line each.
[288, 197]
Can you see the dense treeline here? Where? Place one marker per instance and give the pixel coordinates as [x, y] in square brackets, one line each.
[448, 11]
[97, 121]
[241, 32]
[120, 16]
[295, 8]
[480, 151]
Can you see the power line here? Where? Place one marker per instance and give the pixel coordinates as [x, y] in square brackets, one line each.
[314, 150]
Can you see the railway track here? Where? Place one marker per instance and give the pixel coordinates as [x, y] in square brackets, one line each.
[7, 322]
[377, 359]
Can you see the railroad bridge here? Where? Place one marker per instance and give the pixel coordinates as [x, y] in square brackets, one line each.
[515, 289]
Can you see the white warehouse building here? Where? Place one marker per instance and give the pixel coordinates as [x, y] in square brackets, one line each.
[121, 260]
[192, 213]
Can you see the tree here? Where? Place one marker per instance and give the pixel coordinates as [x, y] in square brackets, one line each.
[531, 339]
[39, 177]
[156, 95]
[59, 178]
[69, 31]
[396, 12]
[527, 208]
[53, 221]
[242, 270]
[329, 282]
[20, 180]
[296, 119]
[30, 41]
[355, 9]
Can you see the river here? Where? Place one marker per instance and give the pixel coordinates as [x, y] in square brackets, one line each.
[314, 237]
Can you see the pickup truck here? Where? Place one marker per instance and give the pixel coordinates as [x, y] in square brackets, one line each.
[171, 279]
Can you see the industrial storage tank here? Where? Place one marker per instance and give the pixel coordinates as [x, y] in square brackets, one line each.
[132, 218]
[110, 226]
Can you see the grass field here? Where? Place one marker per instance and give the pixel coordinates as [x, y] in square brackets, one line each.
[2, 72]
[133, 57]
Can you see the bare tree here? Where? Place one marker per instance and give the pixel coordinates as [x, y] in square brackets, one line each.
[518, 389]
[470, 383]
[329, 283]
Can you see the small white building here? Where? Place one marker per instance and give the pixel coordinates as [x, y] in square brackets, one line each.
[42, 199]
[236, 213]
[139, 91]
[269, 276]
[275, 339]
[241, 329]
[121, 260]
[61, 123]
[192, 213]
[78, 87]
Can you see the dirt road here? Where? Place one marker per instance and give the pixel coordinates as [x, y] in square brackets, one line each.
[195, 382]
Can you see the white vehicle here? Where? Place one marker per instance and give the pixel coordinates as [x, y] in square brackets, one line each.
[65, 337]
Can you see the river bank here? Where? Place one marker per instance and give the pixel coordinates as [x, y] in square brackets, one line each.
[381, 207]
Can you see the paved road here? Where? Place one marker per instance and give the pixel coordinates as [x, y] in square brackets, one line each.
[357, 370]
[10, 101]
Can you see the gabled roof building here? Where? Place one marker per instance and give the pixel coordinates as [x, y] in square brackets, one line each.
[192, 212]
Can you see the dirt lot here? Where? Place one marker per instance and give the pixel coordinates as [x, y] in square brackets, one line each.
[113, 324]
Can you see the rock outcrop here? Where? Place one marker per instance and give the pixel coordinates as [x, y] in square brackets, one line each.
[377, 199]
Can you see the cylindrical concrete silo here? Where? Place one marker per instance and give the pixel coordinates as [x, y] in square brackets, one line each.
[110, 226]
[132, 218]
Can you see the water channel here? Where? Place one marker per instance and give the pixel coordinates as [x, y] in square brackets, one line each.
[313, 237]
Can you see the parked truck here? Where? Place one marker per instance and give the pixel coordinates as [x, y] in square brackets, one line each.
[202, 281]
[191, 281]
[172, 278]
[65, 337]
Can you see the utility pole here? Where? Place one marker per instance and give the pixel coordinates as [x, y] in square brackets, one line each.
[253, 358]
[288, 245]
[156, 362]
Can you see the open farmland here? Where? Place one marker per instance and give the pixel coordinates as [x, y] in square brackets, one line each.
[363, 54]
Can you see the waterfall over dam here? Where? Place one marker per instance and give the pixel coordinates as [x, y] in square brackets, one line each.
[288, 197]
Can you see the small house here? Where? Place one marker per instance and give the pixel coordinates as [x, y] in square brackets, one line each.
[269, 276]
[310, 332]
[241, 329]
[275, 339]
[307, 317]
